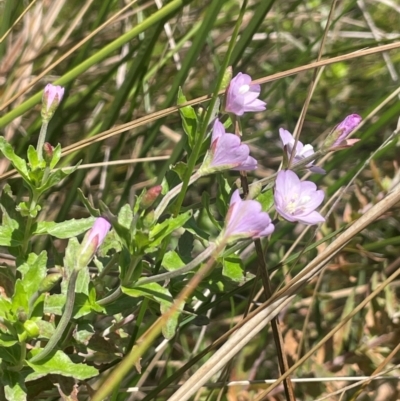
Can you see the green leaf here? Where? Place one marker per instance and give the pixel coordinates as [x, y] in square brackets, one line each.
[55, 177]
[66, 229]
[54, 304]
[17, 162]
[46, 329]
[11, 354]
[160, 231]
[56, 156]
[14, 387]
[33, 272]
[193, 228]
[172, 261]
[223, 195]
[205, 201]
[153, 291]
[179, 168]
[83, 333]
[190, 122]
[5, 307]
[125, 216]
[232, 267]
[20, 299]
[10, 237]
[59, 363]
[87, 204]
[7, 340]
[33, 160]
[161, 295]
[266, 199]
[170, 326]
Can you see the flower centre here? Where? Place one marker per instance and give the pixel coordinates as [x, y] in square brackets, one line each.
[295, 204]
[244, 89]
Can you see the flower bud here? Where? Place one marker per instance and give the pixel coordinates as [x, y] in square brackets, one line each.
[31, 329]
[336, 140]
[150, 196]
[92, 241]
[52, 97]
[48, 151]
[49, 282]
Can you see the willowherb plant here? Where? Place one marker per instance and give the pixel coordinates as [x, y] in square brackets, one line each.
[143, 278]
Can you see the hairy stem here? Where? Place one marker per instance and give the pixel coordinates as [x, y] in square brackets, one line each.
[62, 325]
[42, 138]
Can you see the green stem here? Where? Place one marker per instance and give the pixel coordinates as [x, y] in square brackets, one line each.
[62, 325]
[171, 194]
[29, 221]
[42, 138]
[165, 276]
[210, 109]
[111, 298]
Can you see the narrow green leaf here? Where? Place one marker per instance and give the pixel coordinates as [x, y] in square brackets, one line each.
[55, 177]
[160, 231]
[161, 295]
[190, 121]
[56, 156]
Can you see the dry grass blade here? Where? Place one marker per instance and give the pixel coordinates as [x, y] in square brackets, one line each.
[280, 300]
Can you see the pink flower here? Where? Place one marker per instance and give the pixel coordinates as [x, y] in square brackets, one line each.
[301, 151]
[297, 200]
[245, 219]
[226, 152]
[242, 96]
[52, 97]
[92, 241]
[342, 131]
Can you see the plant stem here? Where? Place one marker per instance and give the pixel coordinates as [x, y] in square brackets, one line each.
[42, 138]
[175, 273]
[210, 110]
[65, 318]
[111, 298]
[263, 271]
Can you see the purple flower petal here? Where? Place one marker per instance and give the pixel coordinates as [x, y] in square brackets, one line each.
[245, 219]
[295, 200]
[301, 152]
[226, 152]
[242, 96]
